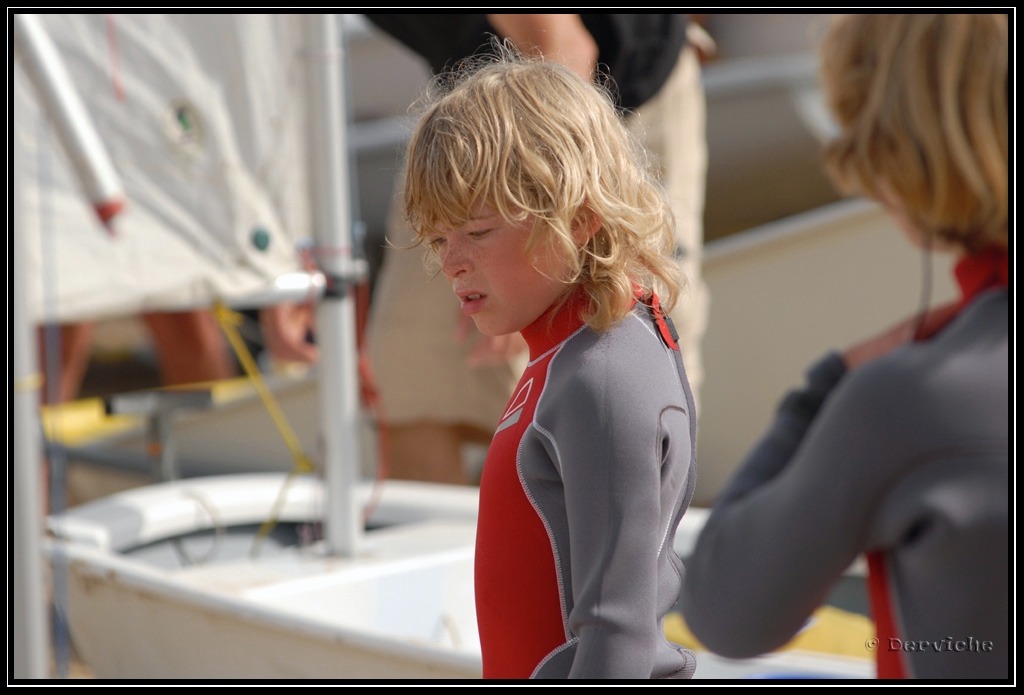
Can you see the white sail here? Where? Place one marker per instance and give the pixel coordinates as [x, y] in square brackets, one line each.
[204, 119]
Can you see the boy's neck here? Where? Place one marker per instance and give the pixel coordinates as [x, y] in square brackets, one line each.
[556, 324]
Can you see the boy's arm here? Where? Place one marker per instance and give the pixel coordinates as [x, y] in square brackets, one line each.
[620, 510]
[777, 446]
[781, 517]
[559, 37]
[799, 408]
[622, 438]
[798, 512]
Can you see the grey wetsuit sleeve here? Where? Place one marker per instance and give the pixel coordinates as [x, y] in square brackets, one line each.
[907, 457]
[621, 440]
[795, 414]
[778, 537]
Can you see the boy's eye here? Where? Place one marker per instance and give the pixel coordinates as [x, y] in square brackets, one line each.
[480, 233]
[436, 242]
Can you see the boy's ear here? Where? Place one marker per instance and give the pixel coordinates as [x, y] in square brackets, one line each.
[586, 227]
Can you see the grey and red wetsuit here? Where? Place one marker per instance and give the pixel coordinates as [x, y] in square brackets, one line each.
[906, 459]
[590, 470]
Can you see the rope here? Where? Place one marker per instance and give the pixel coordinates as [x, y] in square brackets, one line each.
[115, 61]
[229, 320]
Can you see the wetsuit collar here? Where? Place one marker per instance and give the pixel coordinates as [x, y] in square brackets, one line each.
[978, 272]
[556, 324]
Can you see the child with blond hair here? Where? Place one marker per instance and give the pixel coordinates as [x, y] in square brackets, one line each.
[897, 448]
[539, 211]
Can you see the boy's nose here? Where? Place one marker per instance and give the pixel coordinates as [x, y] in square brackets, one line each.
[453, 259]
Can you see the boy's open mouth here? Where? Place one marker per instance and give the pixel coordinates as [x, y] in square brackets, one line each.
[471, 302]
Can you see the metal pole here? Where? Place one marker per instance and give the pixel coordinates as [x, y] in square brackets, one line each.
[30, 638]
[336, 323]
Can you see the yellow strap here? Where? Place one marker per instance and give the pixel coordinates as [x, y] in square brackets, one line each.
[228, 321]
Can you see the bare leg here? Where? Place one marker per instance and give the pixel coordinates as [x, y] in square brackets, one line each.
[429, 451]
[65, 380]
[75, 339]
[190, 347]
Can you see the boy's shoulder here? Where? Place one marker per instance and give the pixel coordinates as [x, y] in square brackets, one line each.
[634, 339]
[969, 355]
[951, 388]
[614, 386]
[629, 360]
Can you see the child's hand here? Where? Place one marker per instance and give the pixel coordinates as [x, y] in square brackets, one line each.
[900, 334]
[286, 327]
[489, 350]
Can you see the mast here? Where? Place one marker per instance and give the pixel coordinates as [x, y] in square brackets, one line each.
[30, 641]
[338, 366]
[92, 164]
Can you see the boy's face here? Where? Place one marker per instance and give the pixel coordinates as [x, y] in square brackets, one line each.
[500, 286]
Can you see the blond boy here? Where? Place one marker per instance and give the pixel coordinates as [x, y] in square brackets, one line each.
[542, 217]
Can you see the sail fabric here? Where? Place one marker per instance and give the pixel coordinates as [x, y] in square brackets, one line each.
[204, 118]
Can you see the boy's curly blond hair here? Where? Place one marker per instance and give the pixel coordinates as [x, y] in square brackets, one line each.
[528, 137]
[922, 103]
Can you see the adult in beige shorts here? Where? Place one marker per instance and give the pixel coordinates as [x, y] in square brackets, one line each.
[434, 401]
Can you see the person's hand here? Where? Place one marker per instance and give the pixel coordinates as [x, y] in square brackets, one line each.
[902, 333]
[285, 329]
[488, 350]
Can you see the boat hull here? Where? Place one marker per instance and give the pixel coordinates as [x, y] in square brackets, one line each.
[160, 582]
[402, 608]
